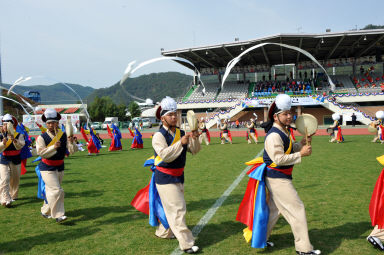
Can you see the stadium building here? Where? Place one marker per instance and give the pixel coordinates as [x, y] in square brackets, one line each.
[353, 60]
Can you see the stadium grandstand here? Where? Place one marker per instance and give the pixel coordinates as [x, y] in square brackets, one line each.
[352, 59]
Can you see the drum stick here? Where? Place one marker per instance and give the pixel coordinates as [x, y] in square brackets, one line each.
[306, 136]
[184, 126]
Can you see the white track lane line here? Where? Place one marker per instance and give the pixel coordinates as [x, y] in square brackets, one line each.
[211, 212]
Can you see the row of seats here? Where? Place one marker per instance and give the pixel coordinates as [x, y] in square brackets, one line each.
[210, 92]
[233, 90]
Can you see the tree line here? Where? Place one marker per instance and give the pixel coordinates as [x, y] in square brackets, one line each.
[102, 107]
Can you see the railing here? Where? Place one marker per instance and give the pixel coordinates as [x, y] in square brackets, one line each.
[187, 95]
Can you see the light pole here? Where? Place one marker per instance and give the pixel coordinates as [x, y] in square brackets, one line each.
[1, 90]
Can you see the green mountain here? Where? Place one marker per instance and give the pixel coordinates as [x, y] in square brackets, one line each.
[56, 93]
[154, 86]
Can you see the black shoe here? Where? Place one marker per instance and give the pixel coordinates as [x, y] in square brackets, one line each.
[192, 250]
[313, 252]
[375, 242]
[270, 244]
[7, 204]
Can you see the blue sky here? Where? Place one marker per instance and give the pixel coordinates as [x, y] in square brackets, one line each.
[90, 42]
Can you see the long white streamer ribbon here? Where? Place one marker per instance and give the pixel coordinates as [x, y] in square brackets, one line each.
[7, 98]
[130, 70]
[26, 103]
[234, 61]
[22, 79]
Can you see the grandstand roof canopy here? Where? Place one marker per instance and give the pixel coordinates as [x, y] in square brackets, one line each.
[325, 46]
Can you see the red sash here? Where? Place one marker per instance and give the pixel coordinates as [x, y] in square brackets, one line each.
[287, 171]
[11, 153]
[171, 171]
[53, 162]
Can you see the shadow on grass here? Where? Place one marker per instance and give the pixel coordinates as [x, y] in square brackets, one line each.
[214, 233]
[326, 240]
[26, 200]
[88, 193]
[207, 203]
[73, 181]
[30, 174]
[34, 184]
[67, 172]
[94, 213]
[26, 244]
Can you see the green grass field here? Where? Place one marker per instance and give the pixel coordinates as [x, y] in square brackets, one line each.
[335, 184]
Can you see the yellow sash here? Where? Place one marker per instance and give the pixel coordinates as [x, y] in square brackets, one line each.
[10, 141]
[56, 138]
[176, 138]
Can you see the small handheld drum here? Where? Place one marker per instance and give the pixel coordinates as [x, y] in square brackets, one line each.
[10, 128]
[192, 121]
[69, 128]
[306, 124]
[330, 131]
[372, 127]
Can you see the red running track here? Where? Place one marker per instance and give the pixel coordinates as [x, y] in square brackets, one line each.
[241, 133]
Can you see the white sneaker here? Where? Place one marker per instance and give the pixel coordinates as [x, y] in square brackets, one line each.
[193, 249]
[313, 252]
[46, 216]
[61, 219]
